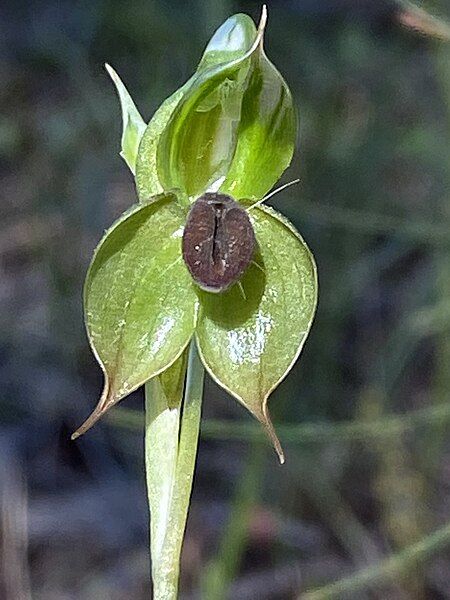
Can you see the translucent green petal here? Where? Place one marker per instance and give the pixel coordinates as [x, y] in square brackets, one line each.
[139, 301]
[250, 337]
[230, 41]
[234, 129]
[266, 133]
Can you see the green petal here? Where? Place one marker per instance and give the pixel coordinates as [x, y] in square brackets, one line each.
[196, 147]
[133, 125]
[139, 300]
[233, 129]
[147, 180]
[230, 41]
[250, 337]
[266, 133]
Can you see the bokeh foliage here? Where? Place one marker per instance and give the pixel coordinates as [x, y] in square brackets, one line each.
[372, 204]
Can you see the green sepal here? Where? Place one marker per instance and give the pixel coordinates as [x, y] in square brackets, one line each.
[231, 41]
[139, 300]
[266, 133]
[133, 125]
[233, 129]
[250, 336]
[147, 180]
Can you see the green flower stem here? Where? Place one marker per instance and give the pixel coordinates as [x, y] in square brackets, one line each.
[171, 440]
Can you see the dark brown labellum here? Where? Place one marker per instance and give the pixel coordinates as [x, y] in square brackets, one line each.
[218, 241]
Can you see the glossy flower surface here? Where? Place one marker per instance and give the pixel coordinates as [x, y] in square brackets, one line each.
[231, 128]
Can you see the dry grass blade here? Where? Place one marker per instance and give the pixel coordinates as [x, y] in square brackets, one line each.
[387, 570]
[302, 433]
[14, 580]
[422, 22]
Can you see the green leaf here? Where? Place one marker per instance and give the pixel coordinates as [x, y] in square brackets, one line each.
[233, 39]
[140, 303]
[133, 125]
[176, 483]
[164, 395]
[171, 381]
[233, 129]
[250, 336]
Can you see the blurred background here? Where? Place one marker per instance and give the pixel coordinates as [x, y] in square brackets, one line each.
[364, 497]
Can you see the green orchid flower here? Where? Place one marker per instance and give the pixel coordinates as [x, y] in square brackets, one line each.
[230, 129]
